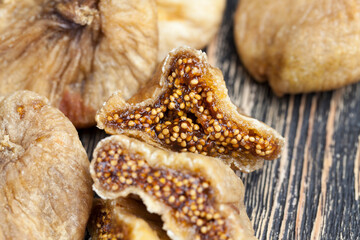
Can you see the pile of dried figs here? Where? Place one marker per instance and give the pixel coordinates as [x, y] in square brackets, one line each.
[173, 147]
[168, 170]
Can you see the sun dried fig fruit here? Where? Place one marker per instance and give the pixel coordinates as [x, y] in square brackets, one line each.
[77, 53]
[299, 46]
[185, 107]
[187, 22]
[124, 219]
[45, 184]
[197, 197]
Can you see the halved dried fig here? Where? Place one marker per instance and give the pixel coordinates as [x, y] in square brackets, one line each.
[77, 53]
[45, 185]
[124, 218]
[299, 46]
[197, 197]
[187, 22]
[186, 108]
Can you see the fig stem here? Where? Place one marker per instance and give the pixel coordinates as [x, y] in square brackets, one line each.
[82, 13]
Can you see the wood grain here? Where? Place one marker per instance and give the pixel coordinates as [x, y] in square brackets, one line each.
[313, 190]
[356, 172]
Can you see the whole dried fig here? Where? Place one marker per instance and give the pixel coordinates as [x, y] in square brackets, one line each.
[78, 52]
[124, 219]
[45, 185]
[300, 46]
[187, 22]
[185, 107]
[197, 197]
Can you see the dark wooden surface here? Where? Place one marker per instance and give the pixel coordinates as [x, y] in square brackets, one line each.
[313, 190]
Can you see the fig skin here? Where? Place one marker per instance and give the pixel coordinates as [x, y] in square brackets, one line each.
[299, 46]
[187, 22]
[77, 53]
[168, 182]
[45, 185]
[243, 145]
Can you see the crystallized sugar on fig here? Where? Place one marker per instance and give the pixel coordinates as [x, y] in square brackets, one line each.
[192, 113]
[177, 186]
[77, 53]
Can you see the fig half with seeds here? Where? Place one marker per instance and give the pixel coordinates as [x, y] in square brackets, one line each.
[185, 107]
[124, 218]
[77, 53]
[187, 22]
[197, 197]
[45, 185]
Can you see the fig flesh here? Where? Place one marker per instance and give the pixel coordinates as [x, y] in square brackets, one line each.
[124, 219]
[197, 197]
[185, 107]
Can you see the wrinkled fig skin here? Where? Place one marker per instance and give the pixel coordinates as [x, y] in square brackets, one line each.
[124, 219]
[300, 46]
[45, 185]
[187, 22]
[186, 108]
[197, 197]
[77, 53]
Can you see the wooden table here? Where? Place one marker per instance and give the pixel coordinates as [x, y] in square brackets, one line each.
[313, 190]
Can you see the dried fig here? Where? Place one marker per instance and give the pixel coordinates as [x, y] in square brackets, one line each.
[77, 53]
[45, 185]
[124, 219]
[299, 46]
[185, 107]
[197, 197]
[187, 22]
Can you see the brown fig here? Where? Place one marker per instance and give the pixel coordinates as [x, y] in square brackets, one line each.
[45, 185]
[299, 46]
[197, 197]
[185, 107]
[77, 53]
